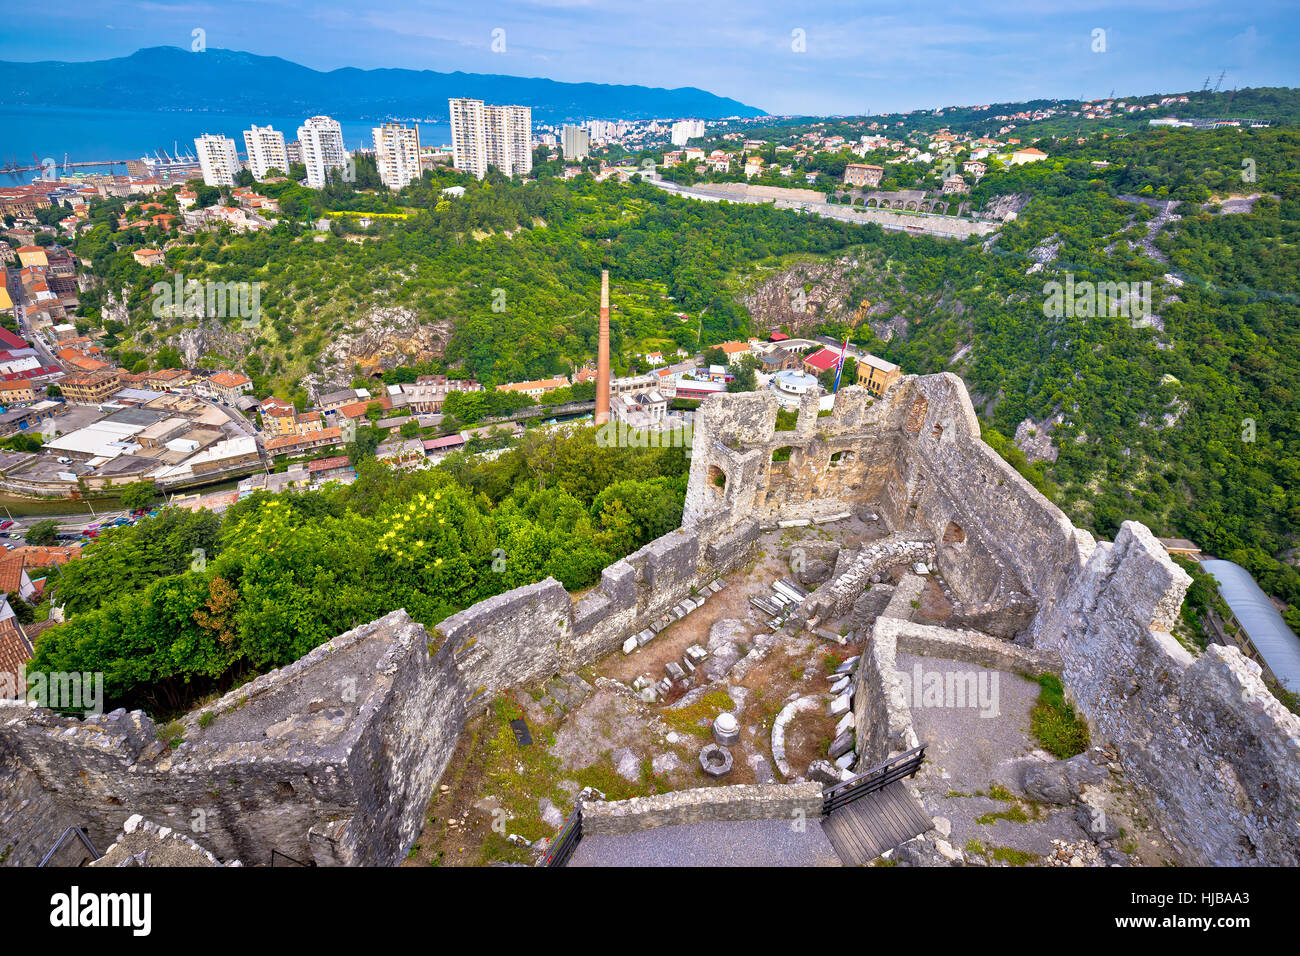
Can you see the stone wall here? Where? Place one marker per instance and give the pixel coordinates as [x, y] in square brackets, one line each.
[916, 458]
[743, 802]
[334, 757]
[970, 647]
[355, 733]
[1217, 754]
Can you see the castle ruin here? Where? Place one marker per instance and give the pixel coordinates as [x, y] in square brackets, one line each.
[333, 758]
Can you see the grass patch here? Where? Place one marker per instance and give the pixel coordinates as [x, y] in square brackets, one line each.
[497, 849]
[688, 719]
[1054, 723]
[1012, 856]
[1015, 814]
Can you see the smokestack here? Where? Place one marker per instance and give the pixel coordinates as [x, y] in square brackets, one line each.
[602, 358]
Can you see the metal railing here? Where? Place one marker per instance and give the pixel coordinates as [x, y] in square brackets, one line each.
[566, 841]
[877, 778]
[81, 834]
[278, 855]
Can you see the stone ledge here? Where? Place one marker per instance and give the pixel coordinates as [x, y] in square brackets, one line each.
[970, 647]
[702, 805]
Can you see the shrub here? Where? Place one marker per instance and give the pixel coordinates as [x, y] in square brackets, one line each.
[1053, 721]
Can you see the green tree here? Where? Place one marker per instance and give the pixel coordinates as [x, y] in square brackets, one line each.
[138, 494]
[43, 533]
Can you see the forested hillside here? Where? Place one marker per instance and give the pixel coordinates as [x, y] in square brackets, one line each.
[1187, 421]
[514, 267]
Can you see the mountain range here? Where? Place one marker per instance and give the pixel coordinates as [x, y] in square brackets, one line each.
[229, 81]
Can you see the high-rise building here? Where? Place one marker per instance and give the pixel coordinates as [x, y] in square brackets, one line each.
[483, 136]
[265, 148]
[577, 143]
[686, 130]
[397, 154]
[218, 159]
[293, 152]
[321, 141]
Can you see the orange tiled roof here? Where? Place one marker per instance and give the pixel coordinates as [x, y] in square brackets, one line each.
[325, 435]
[230, 379]
[15, 648]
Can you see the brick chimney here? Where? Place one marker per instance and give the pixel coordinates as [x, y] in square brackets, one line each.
[602, 358]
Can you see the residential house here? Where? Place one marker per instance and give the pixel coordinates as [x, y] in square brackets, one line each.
[228, 386]
[149, 257]
[1030, 155]
[90, 388]
[534, 389]
[863, 174]
[169, 379]
[18, 390]
[877, 375]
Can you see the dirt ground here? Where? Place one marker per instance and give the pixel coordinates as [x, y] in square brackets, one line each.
[591, 729]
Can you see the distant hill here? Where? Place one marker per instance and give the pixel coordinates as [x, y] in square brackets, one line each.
[167, 78]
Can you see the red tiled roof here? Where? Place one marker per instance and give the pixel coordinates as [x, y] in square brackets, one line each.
[15, 650]
[447, 441]
[43, 557]
[327, 464]
[823, 360]
[325, 436]
[230, 379]
[11, 575]
[358, 409]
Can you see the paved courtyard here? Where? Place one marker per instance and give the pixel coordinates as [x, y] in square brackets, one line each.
[729, 843]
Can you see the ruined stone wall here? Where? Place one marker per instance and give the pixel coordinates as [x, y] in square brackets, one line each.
[916, 458]
[1217, 754]
[334, 757]
[32, 819]
[355, 733]
[837, 462]
[1001, 542]
[410, 735]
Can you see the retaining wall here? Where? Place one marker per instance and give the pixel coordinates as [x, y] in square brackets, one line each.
[707, 804]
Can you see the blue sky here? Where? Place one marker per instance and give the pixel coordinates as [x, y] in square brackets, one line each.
[857, 56]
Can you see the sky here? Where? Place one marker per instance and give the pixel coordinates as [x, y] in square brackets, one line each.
[824, 57]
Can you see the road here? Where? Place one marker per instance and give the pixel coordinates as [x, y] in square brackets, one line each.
[855, 214]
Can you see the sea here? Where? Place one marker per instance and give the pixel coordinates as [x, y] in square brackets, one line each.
[86, 135]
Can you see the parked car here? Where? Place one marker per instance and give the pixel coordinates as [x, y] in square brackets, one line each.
[6, 524]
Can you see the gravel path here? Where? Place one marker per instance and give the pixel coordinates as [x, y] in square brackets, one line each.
[730, 843]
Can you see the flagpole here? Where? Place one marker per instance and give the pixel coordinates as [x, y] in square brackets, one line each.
[839, 365]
